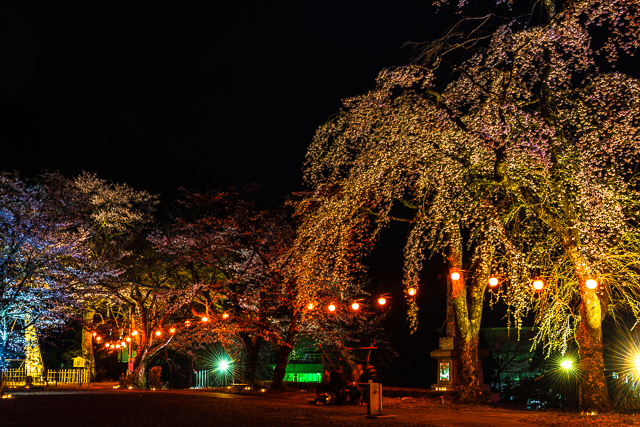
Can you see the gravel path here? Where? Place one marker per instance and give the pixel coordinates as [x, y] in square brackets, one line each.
[133, 408]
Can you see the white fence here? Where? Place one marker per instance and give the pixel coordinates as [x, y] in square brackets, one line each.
[18, 377]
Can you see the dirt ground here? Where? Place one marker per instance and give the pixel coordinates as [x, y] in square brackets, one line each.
[105, 405]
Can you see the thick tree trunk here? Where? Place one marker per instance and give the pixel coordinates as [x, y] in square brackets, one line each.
[467, 303]
[252, 353]
[87, 341]
[285, 350]
[281, 368]
[595, 394]
[468, 384]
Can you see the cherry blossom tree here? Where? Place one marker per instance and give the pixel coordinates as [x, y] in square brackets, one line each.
[45, 256]
[515, 146]
[117, 217]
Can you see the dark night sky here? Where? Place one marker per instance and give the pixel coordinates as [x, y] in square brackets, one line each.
[234, 92]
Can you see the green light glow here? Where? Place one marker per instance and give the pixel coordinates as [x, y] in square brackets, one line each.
[224, 365]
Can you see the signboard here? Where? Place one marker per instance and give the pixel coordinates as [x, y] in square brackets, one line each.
[79, 362]
[446, 343]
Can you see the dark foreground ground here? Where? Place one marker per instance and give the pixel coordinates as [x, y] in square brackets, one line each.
[131, 408]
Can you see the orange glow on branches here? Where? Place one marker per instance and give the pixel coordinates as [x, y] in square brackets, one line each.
[134, 333]
[310, 306]
[205, 319]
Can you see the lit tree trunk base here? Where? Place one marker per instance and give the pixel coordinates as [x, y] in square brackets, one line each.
[139, 377]
[595, 395]
[87, 342]
[467, 388]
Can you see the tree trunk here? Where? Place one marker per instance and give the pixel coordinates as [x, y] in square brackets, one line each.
[467, 303]
[595, 394]
[87, 341]
[285, 350]
[468, 385]
[252, 347]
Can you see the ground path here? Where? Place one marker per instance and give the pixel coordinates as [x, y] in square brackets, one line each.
[132, 408]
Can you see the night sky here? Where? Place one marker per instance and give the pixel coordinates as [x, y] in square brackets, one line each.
[164, 95]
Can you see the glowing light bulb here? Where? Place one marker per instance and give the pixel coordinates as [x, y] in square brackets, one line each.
[455, 276]
[205, 319]
[112, 346]
[225, 315]
[117, 345]
[98, 338]
[493, 281]
[538, 285]
[355, 306]
[591, 284]
[123, 344]
[134, 333]
[331, 308]
[411, 291]
[106, 345]
[94, 334]
[310, 306]
[172, 330]
[187, 323]
[382, 300]
[566, 364]
[158, 333]
[127, 339]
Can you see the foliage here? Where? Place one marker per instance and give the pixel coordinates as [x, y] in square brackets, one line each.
[45, 254]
